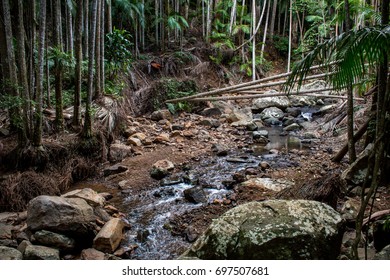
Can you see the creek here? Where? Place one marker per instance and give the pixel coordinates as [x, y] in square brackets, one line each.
[149, 212]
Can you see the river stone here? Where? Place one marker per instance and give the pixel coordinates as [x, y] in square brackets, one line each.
[5, 231]
[52, 239]
[71, 216]
[161, 115]
[92, 254]
[37, 252]
[210, 122]
[240, 117]
[134, 141]
[115, 169]
[89, 195]
[271, 113]
[119, 151]
[281, 102]
[356, 172]
[384, 254]
[195, 195]
[7, 253]
[161, 169]
[292, 127]
[110, 236]
[273, 229]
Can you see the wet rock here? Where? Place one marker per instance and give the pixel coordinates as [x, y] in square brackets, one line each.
[115, 169]
[274, 229]
[288, 121]
[191, 234]
[264, 165]
[297, 100]
[92, 254]
[252, 126]
[37, 252]
[293, 111]
[89, 195]
[23, 245]
[220, 150]
[109, 237]
[71, 216]
[161, 115]
[237, 160]
[384, 254]
[142, 235]
[161, 169]
[177, 127]
[51, 239]
[272, 116]
[281, 102]
[102, 214]
[356, 172]
[195, 195]
[292, 127]
[7, 253]
[129, 132]
[119, 151]
[240, 117]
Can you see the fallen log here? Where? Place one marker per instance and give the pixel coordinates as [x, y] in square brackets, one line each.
[376, 216]
[356, 137]
[247, 86]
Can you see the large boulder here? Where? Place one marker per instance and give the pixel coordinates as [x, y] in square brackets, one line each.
[281, 102]
[274, 229]
[52, 239]
[89, 195]
[7, 253]
[36, 252]
[71, 216]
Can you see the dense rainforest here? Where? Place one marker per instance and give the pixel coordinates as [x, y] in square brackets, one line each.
[78, 75]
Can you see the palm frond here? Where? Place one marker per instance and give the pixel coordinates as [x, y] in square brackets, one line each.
[354, 52]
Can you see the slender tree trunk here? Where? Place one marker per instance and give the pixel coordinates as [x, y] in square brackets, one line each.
[87, 130]
[86, 29]
[273, 20]
[69, 21]
[23, 73]
[79, 60]
[37, 141]
[12, 83]
[59, 121]
[102, 39]
[265, 33]
[254, 40]
[233, 17]
[98, 91]
[290, 39]
[108, 17]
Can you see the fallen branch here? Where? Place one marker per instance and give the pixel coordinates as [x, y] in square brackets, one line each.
[356, 137]
[248, 85]
[376, 216]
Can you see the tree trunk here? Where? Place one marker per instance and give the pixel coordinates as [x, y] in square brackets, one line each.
[79, 60]
[273, 20]
[23, 74]
[108, 17]
[37, 141]
[98, 91]
[290, 39]
[254, 40]
[58, 66]
[86, 29]
[87, 130]
[102, 39]
[69, 29]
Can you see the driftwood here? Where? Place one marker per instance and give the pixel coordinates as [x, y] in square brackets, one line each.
[376, 216]
[356, 137]
[247, 86]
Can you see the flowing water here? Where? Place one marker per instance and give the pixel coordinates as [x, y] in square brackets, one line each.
[149, 212]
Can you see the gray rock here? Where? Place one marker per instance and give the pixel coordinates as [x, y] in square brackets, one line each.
[119, 151]
[92, 254]
[7, 253]
[211, 112]
[161, 169]
[23, 245]
[272, 115]
[240, 117]
[281, 102]
[71, 216]
[5, 231]
[115, 169]
[274, 229]
[384, 254]
[292, 127]
[195, 195]
[210, 122]
[89, 195]
[161, 115]
[36, 252]
[51, 239]
[220, 150]
[356, 172]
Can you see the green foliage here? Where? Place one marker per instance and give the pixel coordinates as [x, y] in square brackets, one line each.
[281, 44]
[64, 59]
[171, 89]
[177, 22]
[118, 52]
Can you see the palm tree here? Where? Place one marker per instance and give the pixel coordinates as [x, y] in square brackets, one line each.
[352, 51]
